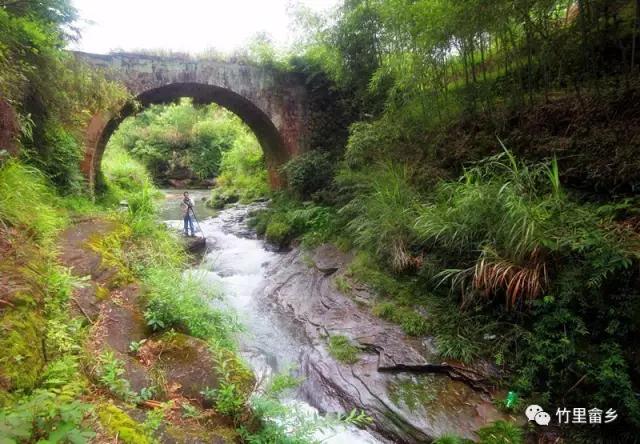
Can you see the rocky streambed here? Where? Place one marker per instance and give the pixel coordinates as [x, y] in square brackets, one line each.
[290, 305]
[412, 395]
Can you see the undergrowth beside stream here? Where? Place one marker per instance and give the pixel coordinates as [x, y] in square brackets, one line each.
[503, 264]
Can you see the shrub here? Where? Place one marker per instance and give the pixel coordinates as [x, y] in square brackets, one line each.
[123, 174]
[59, 158]
[51, 413]
[47, 416]
[110, 374]
[370, 143]
[308, 173]
[220, 197]
[259, 221]
[313, 223]
[566, 264]
[242, 170]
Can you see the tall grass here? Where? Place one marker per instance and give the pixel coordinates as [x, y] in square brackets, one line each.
[122, 172]
[28, 202]
[518, 221]
[382, 213]
[184, 303]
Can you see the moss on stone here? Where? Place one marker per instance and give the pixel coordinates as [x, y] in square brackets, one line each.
[239, 373]
[414, 392]
[21, 356]
[119, 424]
[174, 341]
[102, 293]
[110, 247]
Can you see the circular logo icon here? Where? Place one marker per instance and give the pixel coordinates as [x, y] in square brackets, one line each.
[532, 411]
[542, 418]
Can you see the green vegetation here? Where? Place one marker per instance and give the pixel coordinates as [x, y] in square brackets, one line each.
[122, 425]
[26, 201]
[412, 323]
[51, 414]
[505, 253]
[341, 348]
[527, 256]
[110, 374]
[286, 219]
[53, 94]
[501, 432]
[174, 302]
[43, 384]
[243, 175]
[308, 173]
[191, 144]
[428, 61]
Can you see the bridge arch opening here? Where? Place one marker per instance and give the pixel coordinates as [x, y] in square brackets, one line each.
[101, 129]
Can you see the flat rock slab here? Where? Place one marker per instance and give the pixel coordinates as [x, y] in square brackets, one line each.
[401, 382]
[76, 254]
[73, 247]
[186, 364]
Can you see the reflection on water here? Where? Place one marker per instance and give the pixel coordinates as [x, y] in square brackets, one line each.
[236, 262]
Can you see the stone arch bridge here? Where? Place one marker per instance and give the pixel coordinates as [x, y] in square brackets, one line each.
[272, 104]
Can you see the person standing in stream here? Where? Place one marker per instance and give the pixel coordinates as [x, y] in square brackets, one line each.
[187, 214]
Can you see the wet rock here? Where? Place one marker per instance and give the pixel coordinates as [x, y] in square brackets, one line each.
[195, 245]
[412, 395]
[328, 259]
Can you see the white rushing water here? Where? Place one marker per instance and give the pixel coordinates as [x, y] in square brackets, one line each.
[236, 262]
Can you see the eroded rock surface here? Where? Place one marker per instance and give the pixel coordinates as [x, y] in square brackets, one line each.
[412, 395]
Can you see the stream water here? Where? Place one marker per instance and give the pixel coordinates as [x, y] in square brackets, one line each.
[236, 262]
